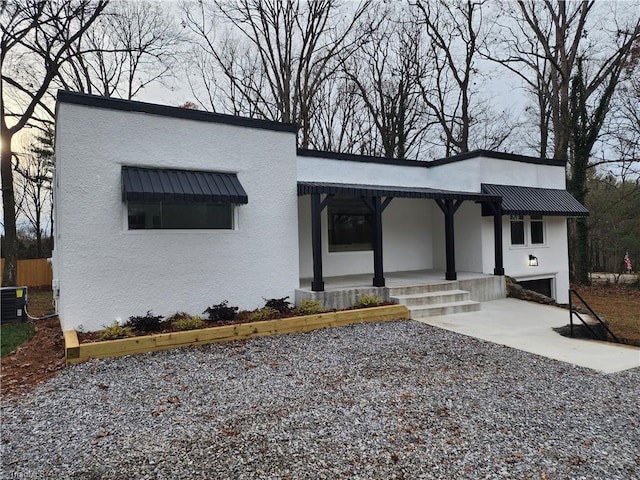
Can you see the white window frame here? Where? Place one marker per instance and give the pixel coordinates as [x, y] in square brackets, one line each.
[527, 220]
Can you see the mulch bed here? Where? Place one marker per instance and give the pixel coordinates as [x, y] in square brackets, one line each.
[34, 362]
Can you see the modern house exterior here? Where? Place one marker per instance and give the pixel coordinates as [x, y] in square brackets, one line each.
[168, 209]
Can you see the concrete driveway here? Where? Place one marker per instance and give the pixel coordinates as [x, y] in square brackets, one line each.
[528, 326]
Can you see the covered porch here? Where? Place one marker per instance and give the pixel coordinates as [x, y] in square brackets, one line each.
[374, 200]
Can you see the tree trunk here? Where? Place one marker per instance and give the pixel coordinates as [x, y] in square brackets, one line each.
[10, 273]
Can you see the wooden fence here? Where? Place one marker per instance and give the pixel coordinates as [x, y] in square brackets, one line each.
[33, 273]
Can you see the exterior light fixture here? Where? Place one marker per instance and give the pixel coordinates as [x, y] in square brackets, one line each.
[533, 261]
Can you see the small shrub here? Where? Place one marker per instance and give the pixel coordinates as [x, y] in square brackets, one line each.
[189, 323]
[264, 313]
[309, 307]
[221, 311]
[177, 316]
[282, 305]
[146, 323]
[116, 331]
[367, 301]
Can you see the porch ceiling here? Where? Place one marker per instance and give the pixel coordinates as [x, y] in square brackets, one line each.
[359, 190]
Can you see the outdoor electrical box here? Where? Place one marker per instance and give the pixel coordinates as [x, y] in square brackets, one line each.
[14, 301]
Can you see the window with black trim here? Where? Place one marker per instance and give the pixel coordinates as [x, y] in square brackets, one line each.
[517, 230]
[537, 230]
[527, 230]
[350, 225]
[173, 215]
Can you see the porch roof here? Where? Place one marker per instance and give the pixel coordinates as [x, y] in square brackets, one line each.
[360, 190]
[518, 200]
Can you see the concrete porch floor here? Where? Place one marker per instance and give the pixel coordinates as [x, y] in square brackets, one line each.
[528, 326]
[392, 279]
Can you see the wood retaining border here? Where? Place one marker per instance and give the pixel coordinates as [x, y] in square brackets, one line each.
[76, 352]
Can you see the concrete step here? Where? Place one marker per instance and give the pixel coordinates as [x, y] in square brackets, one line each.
[422, 311]
[426, 288]
[430, 298]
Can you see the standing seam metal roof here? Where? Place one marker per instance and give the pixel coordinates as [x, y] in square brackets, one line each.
[170, 185]
[517, 200]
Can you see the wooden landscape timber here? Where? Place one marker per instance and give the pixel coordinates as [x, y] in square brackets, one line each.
[76, 352]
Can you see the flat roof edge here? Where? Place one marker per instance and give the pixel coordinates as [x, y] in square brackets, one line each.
[498, 155]
[135, 106]
[353, 157]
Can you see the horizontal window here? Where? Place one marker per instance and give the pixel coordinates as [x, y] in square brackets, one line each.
[168, 215]
[527, 230]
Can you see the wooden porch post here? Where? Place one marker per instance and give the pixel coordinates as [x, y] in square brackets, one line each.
[497, 239]
[449, 209]
[378, 270]
[317, 285]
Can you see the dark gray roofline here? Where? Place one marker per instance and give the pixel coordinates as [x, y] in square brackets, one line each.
[168, 111]
[497, 155]
[356, 190]
[350, 157]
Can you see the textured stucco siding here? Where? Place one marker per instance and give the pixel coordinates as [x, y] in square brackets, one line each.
[406, 236]
[106, 271]
[552, 257]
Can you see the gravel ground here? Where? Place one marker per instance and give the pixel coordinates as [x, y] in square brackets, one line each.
[371, 401]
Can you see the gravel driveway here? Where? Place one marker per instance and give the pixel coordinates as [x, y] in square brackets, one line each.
[370, 401]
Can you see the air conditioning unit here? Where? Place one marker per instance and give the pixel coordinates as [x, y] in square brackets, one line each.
[14, 300]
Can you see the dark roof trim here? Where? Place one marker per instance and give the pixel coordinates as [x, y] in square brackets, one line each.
[170, 185]
[357, 190]
[350, 157]
[498, 155]
[518, 200]
[168, 111]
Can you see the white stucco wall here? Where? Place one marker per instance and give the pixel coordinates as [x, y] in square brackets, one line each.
[466, 175]
[105, 271]
[406, 238]
[552, 257]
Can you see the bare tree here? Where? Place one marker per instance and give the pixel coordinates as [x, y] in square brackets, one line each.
[132, 45]
[341, 124]
[573, 61]
[34, 181]
[453, 31]
[37, 39]
[277, 55]
[386, 72]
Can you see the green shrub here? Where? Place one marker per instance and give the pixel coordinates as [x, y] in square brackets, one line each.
[221, 312]
[189, 323]
[116, 331]
[146, 323]
[282, 305]
[367, 301]
[177, 316]
[264, 313]
[309, 307]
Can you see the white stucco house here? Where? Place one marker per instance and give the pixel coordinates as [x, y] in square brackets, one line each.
[171, 209]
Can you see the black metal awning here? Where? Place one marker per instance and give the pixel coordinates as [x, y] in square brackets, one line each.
[518, 200]
[171, 185]
[359, 190]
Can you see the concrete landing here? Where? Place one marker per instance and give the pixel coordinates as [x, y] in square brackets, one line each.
[528, 326]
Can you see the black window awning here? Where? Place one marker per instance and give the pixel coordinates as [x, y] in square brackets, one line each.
[171, 185]
[518, 200]
[359, 190]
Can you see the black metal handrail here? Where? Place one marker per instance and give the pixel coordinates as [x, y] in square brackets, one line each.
[573, 311]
